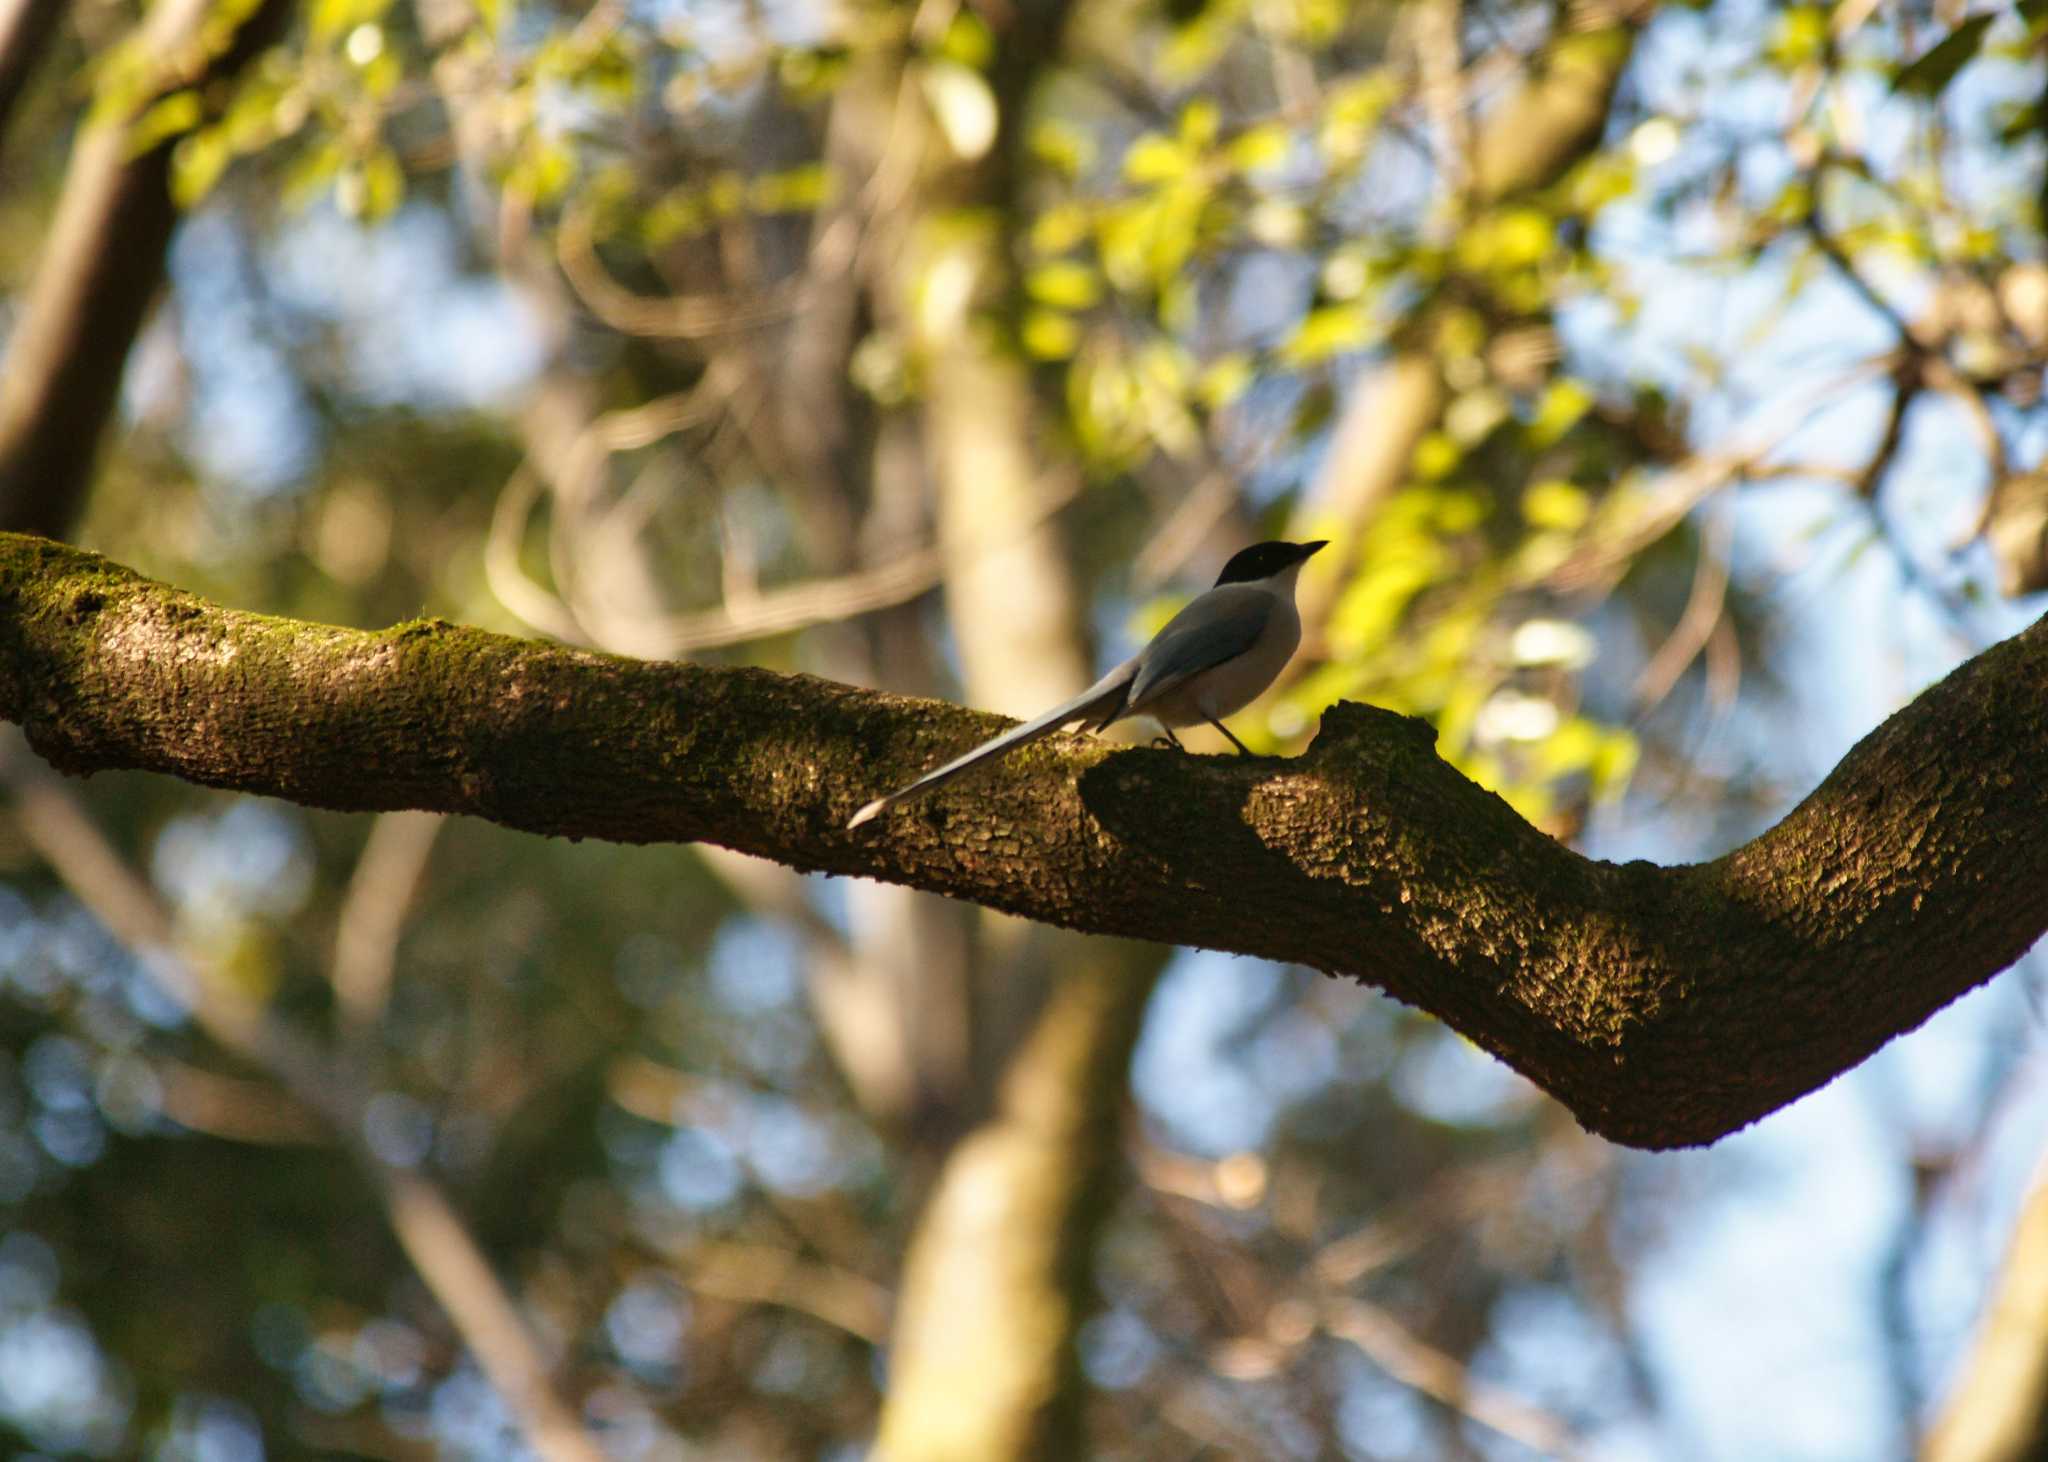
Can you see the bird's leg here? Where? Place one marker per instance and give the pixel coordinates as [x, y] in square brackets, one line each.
[1167, 738]
[1242, 749]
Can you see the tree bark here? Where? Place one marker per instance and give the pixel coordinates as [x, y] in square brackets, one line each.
[1663, 1006]
[983, 1361]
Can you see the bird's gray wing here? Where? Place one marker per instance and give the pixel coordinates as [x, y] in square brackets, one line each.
[1103, 697]
[1199, 638]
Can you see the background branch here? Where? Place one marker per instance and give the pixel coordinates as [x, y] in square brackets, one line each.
[100, 268]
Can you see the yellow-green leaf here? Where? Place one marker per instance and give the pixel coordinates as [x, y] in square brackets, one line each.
[197, 164]
[179, 112]
[968, 41]
[1555, 503]
[1223, 381]
[383, 185]
[1155, 159]
[1058, 229]
[1049, 335]
[1799, 37]
[1063, 147]
[1264, 146]
[1570, 748]
[1064, 284]
[1200, 120]
[1564, 402]
[1613, 763]
[1325, 332]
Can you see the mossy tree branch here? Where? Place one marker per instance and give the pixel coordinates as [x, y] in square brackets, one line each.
[1664, 1006]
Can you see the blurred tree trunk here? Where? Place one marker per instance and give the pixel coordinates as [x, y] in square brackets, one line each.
[1997, 1410]
[983, 1360]
[996, 1281]
[101, 266]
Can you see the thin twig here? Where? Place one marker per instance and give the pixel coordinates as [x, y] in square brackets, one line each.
[1692, 483]
[1443, 1377]
[514, 588]
[656, 317]
[761, 1274]
[373, 912]
[1701, 616]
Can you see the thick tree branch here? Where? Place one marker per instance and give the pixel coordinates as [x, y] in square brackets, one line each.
[1664, 1006]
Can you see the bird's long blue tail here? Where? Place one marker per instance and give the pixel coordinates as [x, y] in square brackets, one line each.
[1097, 706]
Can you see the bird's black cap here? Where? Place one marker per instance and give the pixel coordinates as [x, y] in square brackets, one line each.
[1263, 560]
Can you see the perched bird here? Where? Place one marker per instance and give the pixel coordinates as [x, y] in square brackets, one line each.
[1212, 660]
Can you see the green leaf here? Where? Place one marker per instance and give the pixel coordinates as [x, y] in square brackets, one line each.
[1049, 335]
[968, 41]
[383, 185]
[1065, 148]
[1325, 332]
[1932, 73]
[176, 113]
[793, 190]
[1572, 747]
[1155, 159]
[1064, 284]
[1259, 148]
[676, 213]
[543, 170]
[330, 18]
[1799, 38]
[1555, 503]
[1223, 381]
[197, 165]
[1353, 113]
[1564, 402]
[1614, 762]
[1435, 455]
[1523, 236]
[1200, 120]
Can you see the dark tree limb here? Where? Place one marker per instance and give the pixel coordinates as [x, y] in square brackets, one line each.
[1664, 1006]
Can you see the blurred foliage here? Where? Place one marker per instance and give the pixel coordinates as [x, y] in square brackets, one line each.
[423, 234]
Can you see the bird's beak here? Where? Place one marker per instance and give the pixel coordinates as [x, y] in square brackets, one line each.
[1310, 550]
